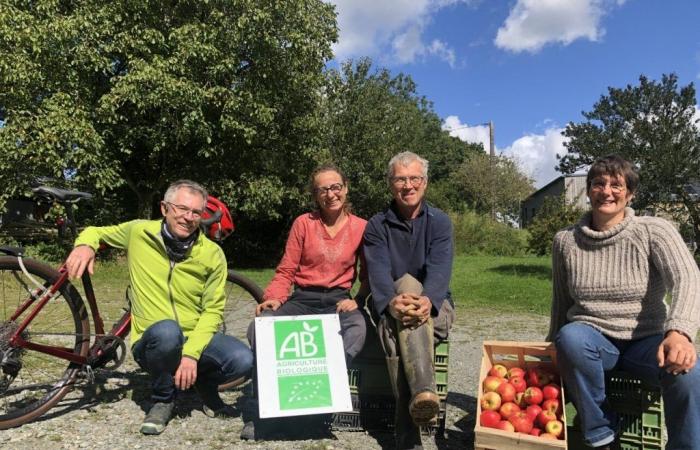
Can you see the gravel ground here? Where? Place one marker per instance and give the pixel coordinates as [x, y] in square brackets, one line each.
[108, 412]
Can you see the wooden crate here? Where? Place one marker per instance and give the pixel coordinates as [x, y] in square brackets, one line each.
[510, 354]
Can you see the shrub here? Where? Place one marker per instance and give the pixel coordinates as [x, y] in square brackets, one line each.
[554, 215]
[478, 234]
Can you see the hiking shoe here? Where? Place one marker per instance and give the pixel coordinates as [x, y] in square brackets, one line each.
[248, 432]
[224, 411]
[213, 405]
[424, 407]
[157, 418]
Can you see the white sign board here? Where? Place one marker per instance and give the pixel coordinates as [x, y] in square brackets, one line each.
[301, 366]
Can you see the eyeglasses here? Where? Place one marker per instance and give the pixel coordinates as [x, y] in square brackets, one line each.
[403, 181]
[182, 210]
[600, 185]
[334, 188]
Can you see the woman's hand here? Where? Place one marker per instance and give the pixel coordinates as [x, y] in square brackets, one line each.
[274, 305]
[346, 305]
[676, 353]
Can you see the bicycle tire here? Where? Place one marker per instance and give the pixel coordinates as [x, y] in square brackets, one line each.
[242, 295]
[42, 380]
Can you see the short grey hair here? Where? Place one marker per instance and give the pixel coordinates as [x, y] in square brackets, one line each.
[185, 184]
[405, 159]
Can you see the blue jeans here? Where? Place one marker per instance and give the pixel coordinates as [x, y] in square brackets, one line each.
[585, 354]
[159, 352]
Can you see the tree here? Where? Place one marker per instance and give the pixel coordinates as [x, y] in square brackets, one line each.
[370, 116]
[131, 95]
[652, 125]
[556, 213]
[485, 185]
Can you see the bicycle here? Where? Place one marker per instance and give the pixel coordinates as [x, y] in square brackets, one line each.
[46, 342]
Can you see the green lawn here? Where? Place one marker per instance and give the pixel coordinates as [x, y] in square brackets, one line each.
[501, 283]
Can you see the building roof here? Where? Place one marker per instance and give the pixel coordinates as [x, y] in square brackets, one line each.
[546, 186]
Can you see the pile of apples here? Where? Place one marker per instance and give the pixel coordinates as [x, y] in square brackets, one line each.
[522, 401]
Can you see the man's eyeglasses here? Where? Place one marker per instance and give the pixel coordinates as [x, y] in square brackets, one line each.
[403, 181]
[599, 186]
[182, 210]
[334, 188]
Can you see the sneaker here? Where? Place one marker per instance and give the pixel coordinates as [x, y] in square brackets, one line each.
[157, 418]
[424, 407]
[224, 411]
[213, 405]
[248, 432]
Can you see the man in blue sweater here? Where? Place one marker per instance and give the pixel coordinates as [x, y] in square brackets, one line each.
[408, 248]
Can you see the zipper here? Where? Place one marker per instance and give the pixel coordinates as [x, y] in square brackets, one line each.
[170, 273]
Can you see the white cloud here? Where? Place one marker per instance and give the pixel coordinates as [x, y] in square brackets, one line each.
[536, 154]
[534, 23]
[696, 116]
[391, 29]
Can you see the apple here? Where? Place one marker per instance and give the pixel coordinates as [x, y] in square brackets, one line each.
[521, 422]
[533, 395]
[553, 404]
[515, 372]
[533, 411]
[518, 383]
[498, 370]
[489, 418]
[508, 409]
[551, 391]
[507, 392]
[554, 427]
[490, 401]
[545, 417]
[519, 400]
[491, 383]
[505, 426]
[535, 431]
[548, 436]
[537, 377]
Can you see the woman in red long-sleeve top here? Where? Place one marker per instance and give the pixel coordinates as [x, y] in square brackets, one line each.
[320, 262]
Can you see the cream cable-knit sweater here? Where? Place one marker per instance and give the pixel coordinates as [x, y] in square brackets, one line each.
[616, 280]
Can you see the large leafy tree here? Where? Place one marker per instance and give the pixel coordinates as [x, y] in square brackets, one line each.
[125, 96]
[653, 125]
[371, 115]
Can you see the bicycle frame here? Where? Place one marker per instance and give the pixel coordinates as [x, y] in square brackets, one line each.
[60, 352]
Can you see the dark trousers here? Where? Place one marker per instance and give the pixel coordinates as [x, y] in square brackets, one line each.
[159, 352]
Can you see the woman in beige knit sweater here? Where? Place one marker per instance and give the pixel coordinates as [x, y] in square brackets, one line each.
[611, 273]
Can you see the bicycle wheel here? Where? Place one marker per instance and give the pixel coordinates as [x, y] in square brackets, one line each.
[32, 382]
[242, 296]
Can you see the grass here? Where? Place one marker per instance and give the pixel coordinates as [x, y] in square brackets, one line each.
[512, 284]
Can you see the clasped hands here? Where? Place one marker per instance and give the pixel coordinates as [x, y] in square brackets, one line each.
[411, 310]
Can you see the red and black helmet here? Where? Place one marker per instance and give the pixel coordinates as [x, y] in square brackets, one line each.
[217, 222]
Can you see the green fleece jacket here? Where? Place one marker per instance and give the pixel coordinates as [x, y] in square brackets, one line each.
[190, 292]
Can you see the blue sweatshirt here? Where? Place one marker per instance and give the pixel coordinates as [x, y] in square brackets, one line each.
[421, 247]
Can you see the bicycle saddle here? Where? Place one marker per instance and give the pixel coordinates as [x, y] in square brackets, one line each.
[61, 195]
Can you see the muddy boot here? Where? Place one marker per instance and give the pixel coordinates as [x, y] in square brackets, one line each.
[418, 363]
[406, 432]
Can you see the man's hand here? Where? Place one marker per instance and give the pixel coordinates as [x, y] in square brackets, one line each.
[411, 310]
[676, 353]
[274, 305]
[186, 373]
[82, 257]
[346, 305]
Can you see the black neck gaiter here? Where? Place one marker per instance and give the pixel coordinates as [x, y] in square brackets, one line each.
[176, 248]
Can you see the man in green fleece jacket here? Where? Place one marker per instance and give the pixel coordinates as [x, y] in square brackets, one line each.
[177, 280]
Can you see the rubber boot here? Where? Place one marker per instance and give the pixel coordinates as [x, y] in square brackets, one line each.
[406, 432]
[417, 350]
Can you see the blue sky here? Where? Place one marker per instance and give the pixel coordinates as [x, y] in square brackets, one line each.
[530, 66]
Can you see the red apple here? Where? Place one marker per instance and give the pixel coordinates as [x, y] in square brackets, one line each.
[553, 404]
[498, 370]
[507, 392]
[533, 411]
[519, 400]
[518, 383]
[554, 427]
[490, 401]
[537, 377]
[508, 409]
[491, 383]
[521, 422]
[515, 372]
[550, 391]
[489, 418]
[545, 417]
[505, 426]
[535, 431]
[533, 395]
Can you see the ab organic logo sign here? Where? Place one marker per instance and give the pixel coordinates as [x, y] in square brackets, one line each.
[302, 368]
